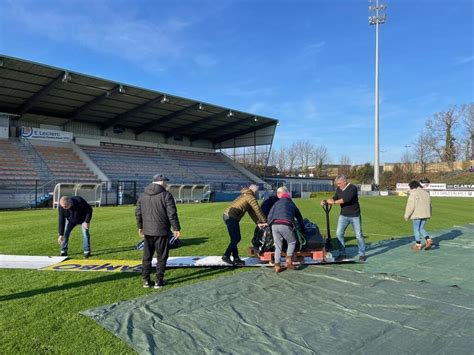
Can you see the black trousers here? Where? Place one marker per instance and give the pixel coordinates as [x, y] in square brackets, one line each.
[233, 228]
[152, 244]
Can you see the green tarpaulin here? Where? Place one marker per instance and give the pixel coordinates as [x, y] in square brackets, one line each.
[362, 309]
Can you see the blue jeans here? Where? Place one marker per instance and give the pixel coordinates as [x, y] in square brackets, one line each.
[233, 228]
[86, 238]
[419, 229]
[342, 224]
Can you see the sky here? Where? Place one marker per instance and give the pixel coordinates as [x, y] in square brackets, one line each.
[308, 63]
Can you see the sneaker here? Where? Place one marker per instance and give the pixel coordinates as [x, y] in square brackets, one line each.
[340, 257]
[362, 258]
[239, 262]
[160, 283]
[147, 284]
[63, 253]
[416, 247]
[429, 244]
[227, 260]
[278, 268]
[87, 255]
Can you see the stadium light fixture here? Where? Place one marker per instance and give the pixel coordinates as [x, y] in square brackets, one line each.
[121, 89]
[164, 99]
[66, 77]
[200, 107]
[255, 119]
[230, 114]
[377, 18]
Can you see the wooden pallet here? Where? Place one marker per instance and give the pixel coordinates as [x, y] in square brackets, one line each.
[319, 255]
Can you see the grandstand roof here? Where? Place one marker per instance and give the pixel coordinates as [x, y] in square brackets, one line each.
[58, 96]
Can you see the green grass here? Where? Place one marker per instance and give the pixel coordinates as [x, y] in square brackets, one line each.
[39, 310]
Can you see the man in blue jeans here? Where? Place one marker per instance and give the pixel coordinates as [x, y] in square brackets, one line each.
[346, 196]
[71, 212]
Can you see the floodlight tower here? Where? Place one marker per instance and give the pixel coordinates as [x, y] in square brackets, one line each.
[377, 18]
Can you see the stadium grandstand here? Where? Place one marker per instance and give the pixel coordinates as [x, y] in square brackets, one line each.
[62, 127]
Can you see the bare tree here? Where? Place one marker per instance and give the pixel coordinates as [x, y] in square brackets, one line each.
[320, 157]
[291, 156]
[304, 151]
[280, 160]
[467, 142]
[407, 163]
[344, 165]
[440, 130]
[423, 152]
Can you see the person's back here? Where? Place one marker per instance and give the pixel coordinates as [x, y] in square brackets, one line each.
[246, 202]
[420, 201]
[78, 211]
[268, 203]
[285, 209]
[158, 211]
[418, 210]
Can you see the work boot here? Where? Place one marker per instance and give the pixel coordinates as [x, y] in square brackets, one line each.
[277, 268]
[227, 260]
[429, 243]
[289, 263]
[239, 262]
[416, 247]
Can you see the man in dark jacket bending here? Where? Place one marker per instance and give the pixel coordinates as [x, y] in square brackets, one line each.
[282, 221]
[71, 212]
[156, 213]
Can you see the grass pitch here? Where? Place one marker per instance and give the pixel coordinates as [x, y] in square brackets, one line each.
[39, 310]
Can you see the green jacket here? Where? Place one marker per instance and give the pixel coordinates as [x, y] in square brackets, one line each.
[246, 202]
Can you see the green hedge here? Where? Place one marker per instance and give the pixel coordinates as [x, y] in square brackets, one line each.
[322, 195]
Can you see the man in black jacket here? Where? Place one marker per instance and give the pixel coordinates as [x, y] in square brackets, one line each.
[156, 213]
[71, 212]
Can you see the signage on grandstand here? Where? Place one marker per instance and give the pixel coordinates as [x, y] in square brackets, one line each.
[45, 134]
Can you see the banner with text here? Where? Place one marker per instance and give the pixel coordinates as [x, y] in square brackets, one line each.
[45, 134]
[404, 186]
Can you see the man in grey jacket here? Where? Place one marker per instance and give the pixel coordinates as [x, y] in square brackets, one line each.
[156, 213]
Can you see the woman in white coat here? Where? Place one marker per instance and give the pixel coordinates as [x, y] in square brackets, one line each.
[418, 209]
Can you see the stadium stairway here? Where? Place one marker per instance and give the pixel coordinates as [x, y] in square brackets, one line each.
[34, 160]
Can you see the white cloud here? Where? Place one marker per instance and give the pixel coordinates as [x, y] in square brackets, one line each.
[312, 49]
[151, 45]
[464, 60]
